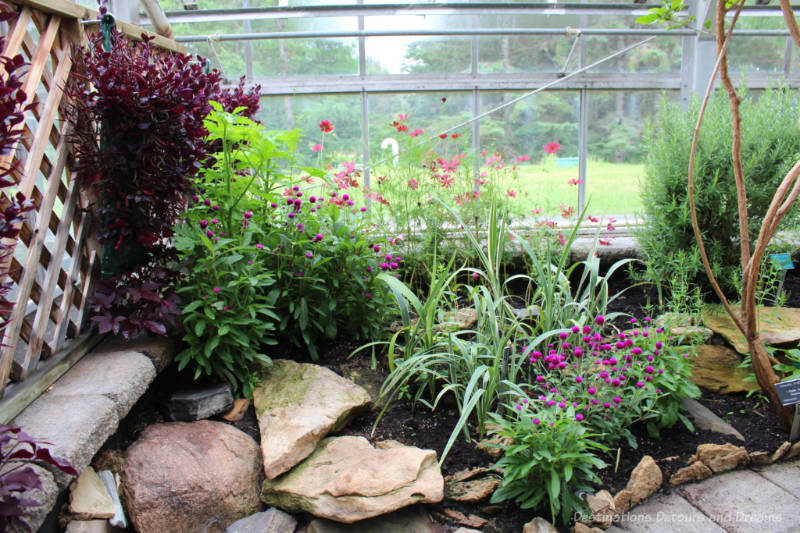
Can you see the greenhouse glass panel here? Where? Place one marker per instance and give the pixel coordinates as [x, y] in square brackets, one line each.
[306, 112]
[615, 167]
[529, 150]
[662, 54]
[535, 53]
[417, 55]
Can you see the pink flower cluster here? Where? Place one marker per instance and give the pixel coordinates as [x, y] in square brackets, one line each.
[594, 375]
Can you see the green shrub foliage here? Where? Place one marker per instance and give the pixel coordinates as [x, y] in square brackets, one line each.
[770, 145]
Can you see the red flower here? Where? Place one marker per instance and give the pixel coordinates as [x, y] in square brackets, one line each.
[444, 99]
[402, 127]
[443, 136]
[455, 135]
[552, 147]
[325, 126]
[593, 219]
[575, 181]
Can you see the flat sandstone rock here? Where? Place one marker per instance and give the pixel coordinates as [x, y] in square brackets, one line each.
[297, 405]
[776, 325]
[346, 479]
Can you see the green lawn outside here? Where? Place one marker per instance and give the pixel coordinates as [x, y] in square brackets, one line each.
[612, 188]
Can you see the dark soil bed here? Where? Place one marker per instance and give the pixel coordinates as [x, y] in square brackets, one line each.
[426, 429]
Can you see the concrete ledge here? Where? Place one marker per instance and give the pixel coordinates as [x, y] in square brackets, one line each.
[122, 377]
[84, 407]
[75, 427]
[160, 350]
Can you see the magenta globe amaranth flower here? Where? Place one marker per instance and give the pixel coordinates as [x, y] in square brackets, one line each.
[209, 234]
[309, 254]
[248, 214]
[216, 290]
[204, 223]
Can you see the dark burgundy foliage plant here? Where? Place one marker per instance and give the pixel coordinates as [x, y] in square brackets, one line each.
[144, 300]
[237, 97]
[18, 451]
[138, 134]
[138, 137]
[12, 116]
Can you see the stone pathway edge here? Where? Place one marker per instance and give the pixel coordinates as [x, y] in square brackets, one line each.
[684, 509]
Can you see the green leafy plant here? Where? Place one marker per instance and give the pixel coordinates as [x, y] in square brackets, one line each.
[770, 142]
[670, 12]
[312, 249]
[550, 458]
[638, 376]
[227, 317]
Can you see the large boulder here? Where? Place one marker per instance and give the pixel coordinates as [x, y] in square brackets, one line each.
[298, 404]
[191, 477]
[346, 479]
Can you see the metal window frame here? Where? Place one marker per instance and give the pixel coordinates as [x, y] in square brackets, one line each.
[698, 54]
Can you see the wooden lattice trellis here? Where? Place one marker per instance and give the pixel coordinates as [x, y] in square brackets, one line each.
[56, 258]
